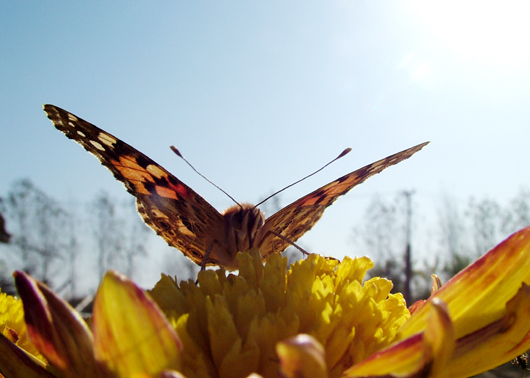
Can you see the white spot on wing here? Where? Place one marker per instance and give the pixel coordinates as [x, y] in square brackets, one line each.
[97, 145]
[81, 133]
[107, 139]
[72, 117]
[155, 171]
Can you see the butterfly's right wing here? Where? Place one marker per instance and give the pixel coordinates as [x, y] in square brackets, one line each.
[171, 208]
[300, 216]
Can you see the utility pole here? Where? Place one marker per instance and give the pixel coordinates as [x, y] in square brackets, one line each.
[408, 263]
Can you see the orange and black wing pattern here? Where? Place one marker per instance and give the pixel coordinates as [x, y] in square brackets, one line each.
[171, 208]
[301, 215]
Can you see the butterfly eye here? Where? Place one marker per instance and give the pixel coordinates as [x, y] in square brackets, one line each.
[236, 219]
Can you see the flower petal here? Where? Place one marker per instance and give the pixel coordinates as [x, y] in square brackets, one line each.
[439, 336]
[131, 335]
[421, 355]
[301, 356]
[477, 295]
[403, 359]
[15, 363]
[13, 326]
[56, 329]
[434, 352]
[496, 343]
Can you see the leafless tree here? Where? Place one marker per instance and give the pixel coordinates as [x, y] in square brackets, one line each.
[517, 214]
[108, 233]
[175, 264]
[379, 235]
[71, 255]
[4, 235]
[6, 282]
[38, 223]
[451, 226]
[386, 234]
[486, 221]
[137, 236]
[378, 231]
[452, 237]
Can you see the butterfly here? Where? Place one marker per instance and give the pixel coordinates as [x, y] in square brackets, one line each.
[188, 222]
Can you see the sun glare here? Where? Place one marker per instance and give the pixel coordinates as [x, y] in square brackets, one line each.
[492, 31]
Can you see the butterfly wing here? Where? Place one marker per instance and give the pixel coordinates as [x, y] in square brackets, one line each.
[171, 208]
[297, 218]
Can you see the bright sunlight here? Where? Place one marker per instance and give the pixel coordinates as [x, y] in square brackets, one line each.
[494, 32]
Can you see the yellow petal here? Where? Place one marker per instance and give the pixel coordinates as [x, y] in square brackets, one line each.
[496, 343]
[131, 335]
[436, 283]
[420, 355]
[439, 337]
[477, 296]
[13, 326]
[434, 353]
[302, 357]
[402, 359]
[223, 332]
[167, 295]
[56, 329]
[15, 363]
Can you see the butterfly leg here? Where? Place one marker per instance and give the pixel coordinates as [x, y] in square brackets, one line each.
[205, 258]
[206, 255]
[290, 242]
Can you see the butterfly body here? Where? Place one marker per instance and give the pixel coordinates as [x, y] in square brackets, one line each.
[188, 222]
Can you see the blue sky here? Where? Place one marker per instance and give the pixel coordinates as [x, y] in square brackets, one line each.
[258, 94]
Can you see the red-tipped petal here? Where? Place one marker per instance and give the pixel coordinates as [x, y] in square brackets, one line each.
[56, 329]
[496, 343]
[482, 288]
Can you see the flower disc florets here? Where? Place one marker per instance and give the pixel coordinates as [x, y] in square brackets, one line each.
[230, 325]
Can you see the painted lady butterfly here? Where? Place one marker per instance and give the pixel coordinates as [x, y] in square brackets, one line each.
[189, 223]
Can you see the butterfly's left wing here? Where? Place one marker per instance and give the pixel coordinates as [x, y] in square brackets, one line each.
[171, 208]
[297, 218]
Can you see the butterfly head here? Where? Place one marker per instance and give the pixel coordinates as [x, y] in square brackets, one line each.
[242, 222]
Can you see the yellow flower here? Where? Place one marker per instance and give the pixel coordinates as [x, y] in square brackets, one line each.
[12, 324]
[16, 349]
[318, 319]
[475, 322]
[129, 338]
[230, 325]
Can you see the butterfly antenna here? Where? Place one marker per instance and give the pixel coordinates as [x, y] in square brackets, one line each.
[343, 153]
[175, 150]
